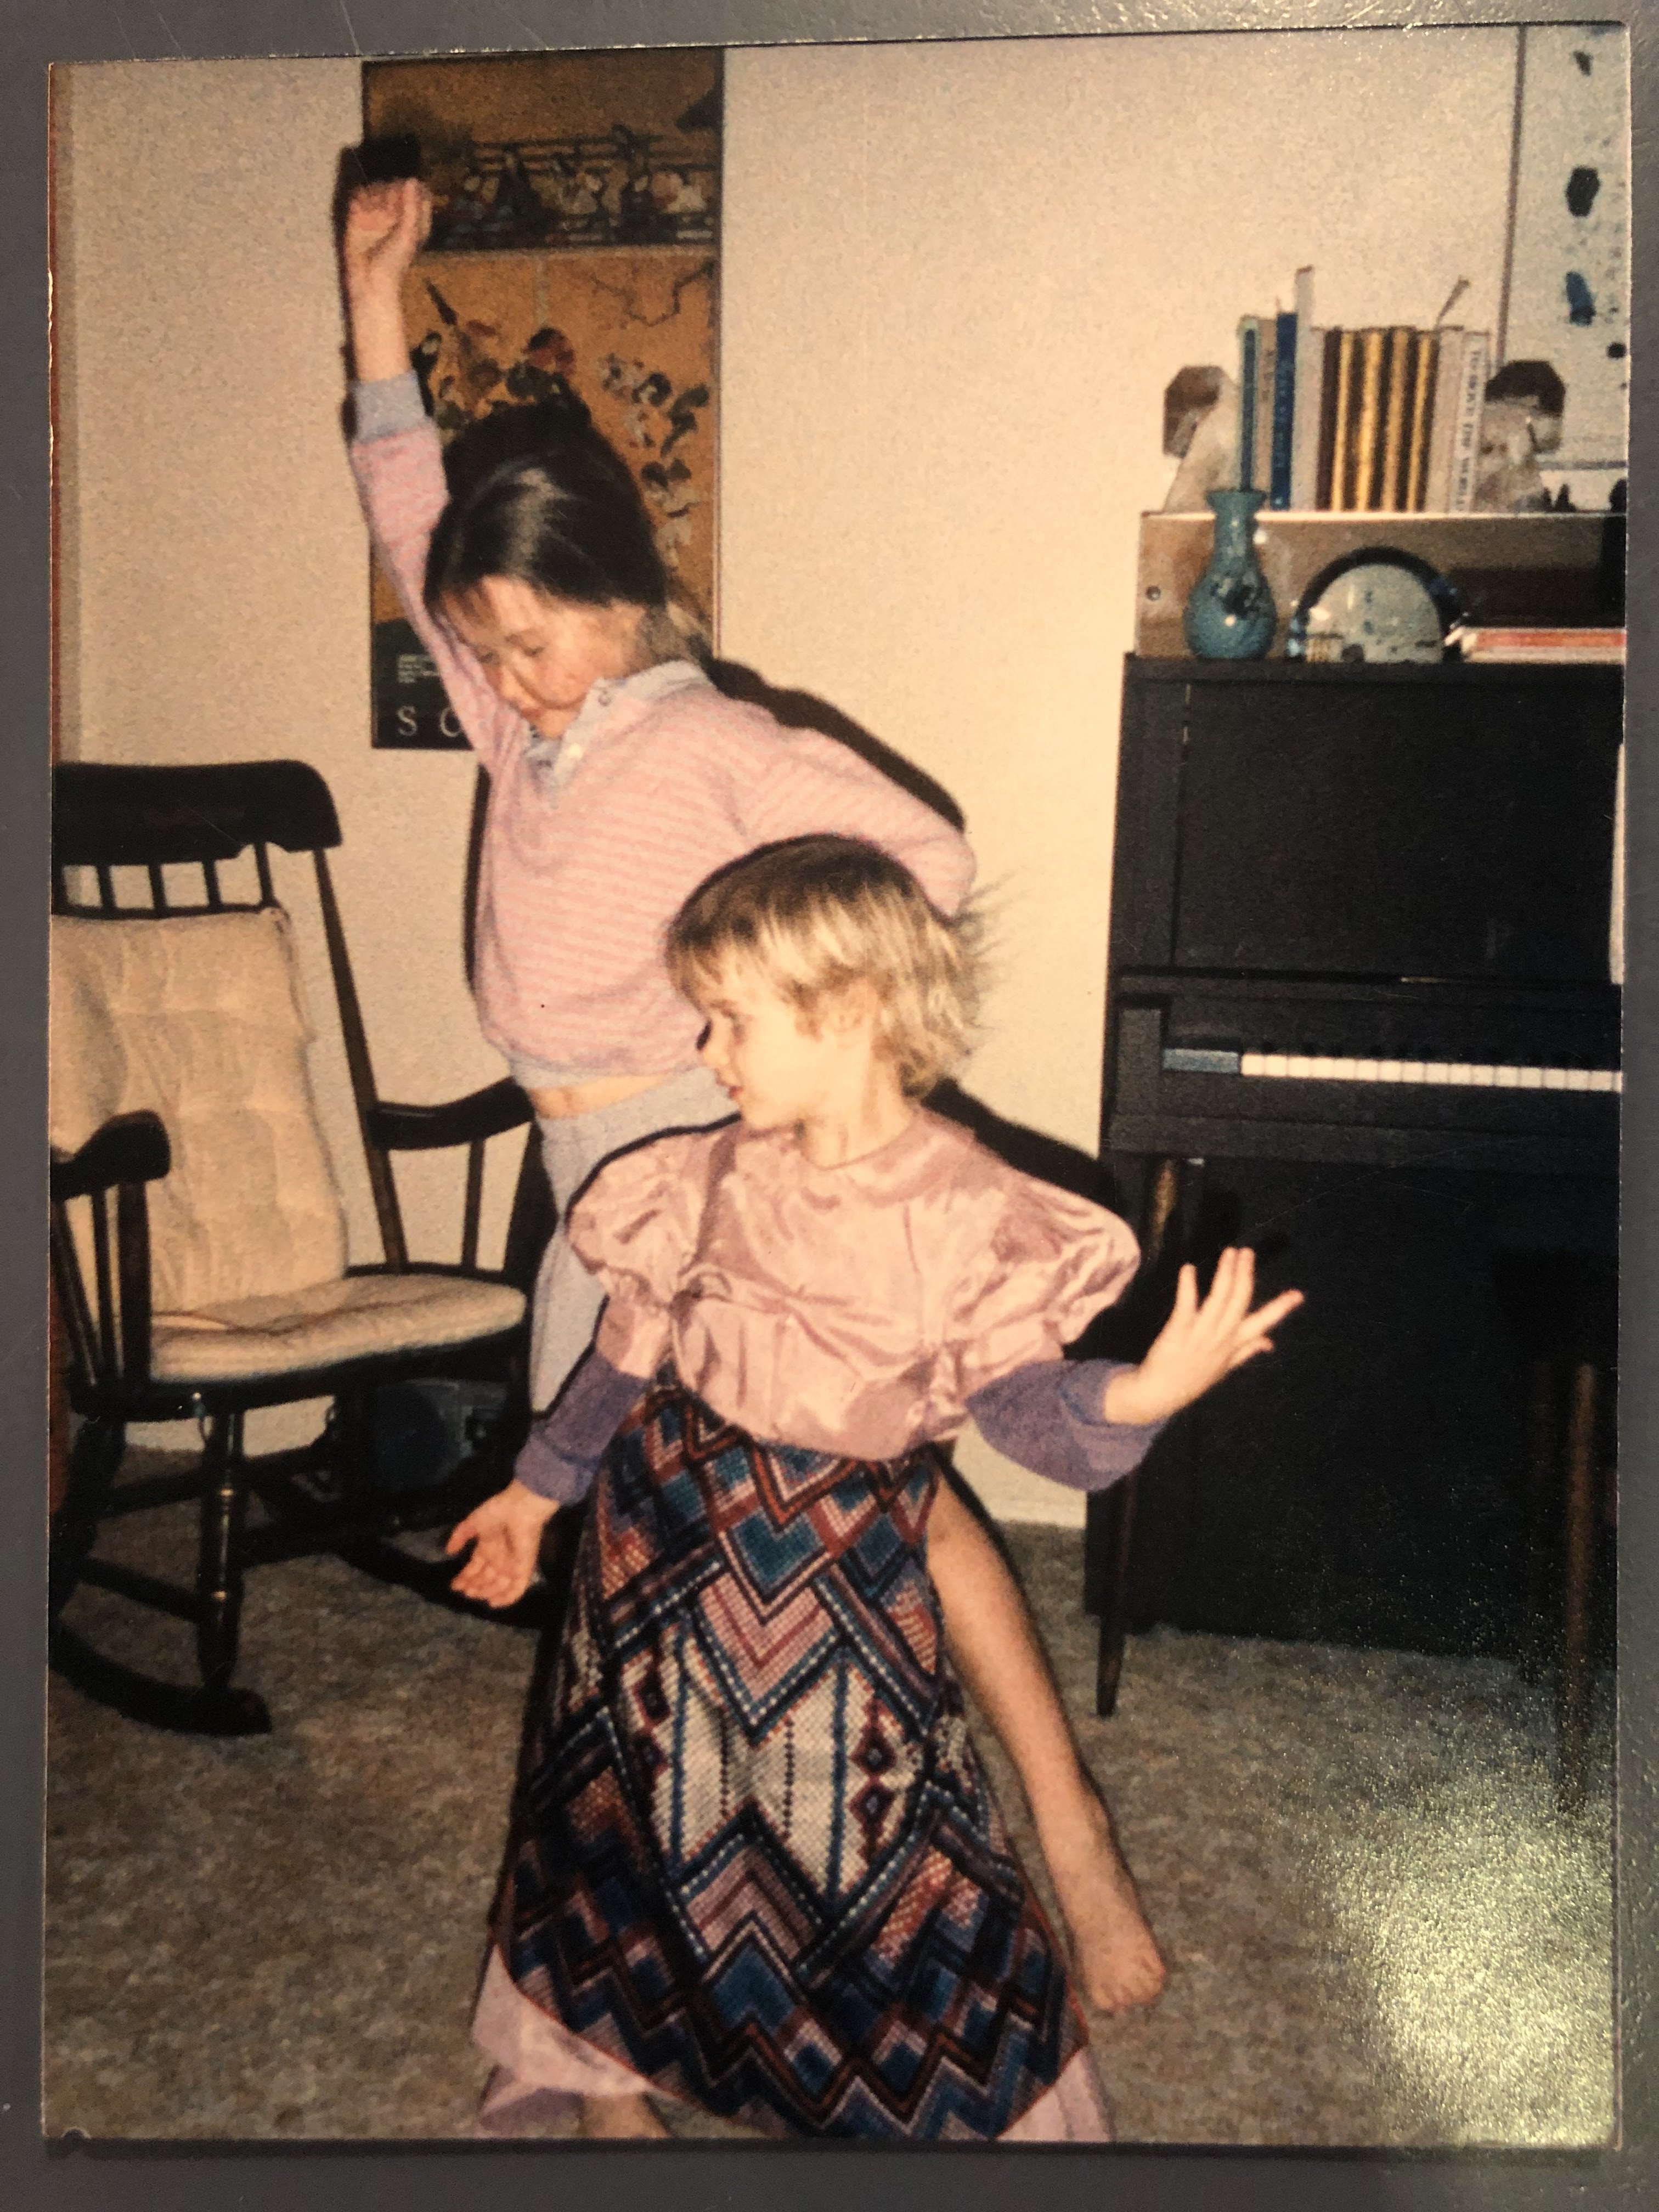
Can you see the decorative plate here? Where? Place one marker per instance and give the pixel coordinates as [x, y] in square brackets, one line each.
[1375, 604]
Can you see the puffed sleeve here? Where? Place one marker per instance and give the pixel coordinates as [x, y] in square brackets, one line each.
[635, 1229]
[1051, 1261]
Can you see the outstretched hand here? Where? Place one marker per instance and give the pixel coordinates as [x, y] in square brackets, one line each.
[506, 1532]
[385, 226]
[1201, 1342]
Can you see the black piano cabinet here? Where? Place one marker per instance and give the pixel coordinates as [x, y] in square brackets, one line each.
[1405, 868]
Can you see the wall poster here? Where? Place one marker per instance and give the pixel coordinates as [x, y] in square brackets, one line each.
[1569, 297]
[573, 248]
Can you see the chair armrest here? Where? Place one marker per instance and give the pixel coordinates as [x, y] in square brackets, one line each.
[112, 1335]
[466, 1121]
[132, 1148]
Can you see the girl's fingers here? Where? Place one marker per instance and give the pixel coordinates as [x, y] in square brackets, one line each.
[389, 217]
[1233, 1287]
[1231, 1272]
[410, 206]
[1228, 1300]
[497, 1588]
[1285, 1303]
[1273, 1312]
[371, 204]
[1254, 1334]
[1242, 1286]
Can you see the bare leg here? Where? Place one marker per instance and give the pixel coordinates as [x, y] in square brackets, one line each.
[995, 1643]
[618, 2119]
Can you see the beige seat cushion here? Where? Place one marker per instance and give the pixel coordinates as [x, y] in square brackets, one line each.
[352, 1319]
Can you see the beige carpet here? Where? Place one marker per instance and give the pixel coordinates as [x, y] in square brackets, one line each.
[1380, 1931]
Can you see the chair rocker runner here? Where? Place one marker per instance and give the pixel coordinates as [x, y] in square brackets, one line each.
[198, 1239]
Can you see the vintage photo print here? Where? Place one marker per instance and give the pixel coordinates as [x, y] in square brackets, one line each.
[1185, 479]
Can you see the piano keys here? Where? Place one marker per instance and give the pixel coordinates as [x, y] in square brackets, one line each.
[1392, 1077]
[1285, 1067]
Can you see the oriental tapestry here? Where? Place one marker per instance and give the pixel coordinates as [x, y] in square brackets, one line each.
[572, 250]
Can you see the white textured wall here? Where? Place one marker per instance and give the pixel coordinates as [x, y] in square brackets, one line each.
[956, 279]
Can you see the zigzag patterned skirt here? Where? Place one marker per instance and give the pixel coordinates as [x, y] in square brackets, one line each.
[755, 1859]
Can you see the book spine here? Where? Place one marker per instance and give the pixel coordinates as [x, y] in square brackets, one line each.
[1267, 370]
[1249, 341]
[1341, 432]
[1305, 411]
[1368, 421]
[1447, 383]
[1425, 355]
[1395, 410]
[1466, 438]
[1329, 385]
[1278, 473]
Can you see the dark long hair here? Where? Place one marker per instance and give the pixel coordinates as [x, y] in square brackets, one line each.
[537, 495]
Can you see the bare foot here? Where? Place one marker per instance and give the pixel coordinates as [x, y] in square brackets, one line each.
[1116, 1956]
[618, 2119]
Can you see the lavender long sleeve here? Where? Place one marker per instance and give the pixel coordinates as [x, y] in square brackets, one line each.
[1046, 1416]
[563, 1452]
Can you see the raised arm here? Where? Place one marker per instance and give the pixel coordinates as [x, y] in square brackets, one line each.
[395, 457]
[385, 226]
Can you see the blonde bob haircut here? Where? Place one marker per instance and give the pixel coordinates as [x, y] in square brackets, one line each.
[814, 915]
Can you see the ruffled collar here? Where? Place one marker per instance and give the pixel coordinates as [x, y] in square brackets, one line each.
[597, 716]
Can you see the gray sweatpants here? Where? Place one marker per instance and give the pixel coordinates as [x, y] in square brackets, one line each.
[565, 1309]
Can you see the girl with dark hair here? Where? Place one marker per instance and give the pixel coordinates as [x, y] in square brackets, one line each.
[537, 495]
[619, 777]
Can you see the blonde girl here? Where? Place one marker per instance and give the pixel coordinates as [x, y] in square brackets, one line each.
[755, 1866]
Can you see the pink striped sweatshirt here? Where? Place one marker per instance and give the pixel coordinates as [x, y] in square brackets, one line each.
[592, 841]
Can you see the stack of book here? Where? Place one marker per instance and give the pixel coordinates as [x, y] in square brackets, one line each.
[1384, 421]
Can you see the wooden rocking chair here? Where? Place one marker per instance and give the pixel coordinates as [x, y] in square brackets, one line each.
[198, 1236]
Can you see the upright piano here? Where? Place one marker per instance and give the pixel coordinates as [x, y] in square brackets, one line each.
[1361, 914]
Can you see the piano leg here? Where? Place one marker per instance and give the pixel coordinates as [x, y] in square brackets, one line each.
[1116, 1513]
[1168, 1197]
[1563, 1309]
[1538, 1510]
[1575, 1679]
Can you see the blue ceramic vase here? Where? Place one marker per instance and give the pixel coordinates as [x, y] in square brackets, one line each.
[1230, 613]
